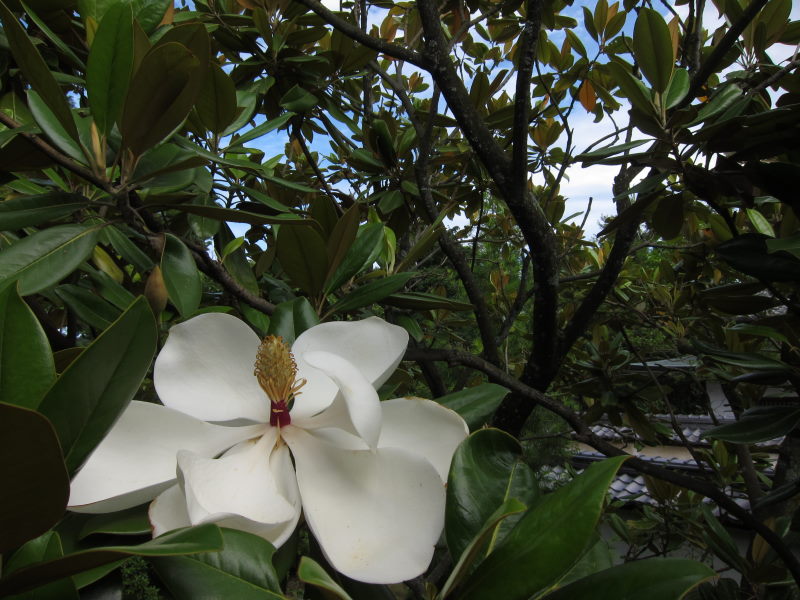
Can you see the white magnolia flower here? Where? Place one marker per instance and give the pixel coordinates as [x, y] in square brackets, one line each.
[305, 431]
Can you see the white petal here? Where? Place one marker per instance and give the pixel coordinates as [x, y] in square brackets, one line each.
[356, 409]
[136, 460]
[377, 514]
[423, 427]
[205, 369]
[168, 511]
[374, 346]
[252, 488]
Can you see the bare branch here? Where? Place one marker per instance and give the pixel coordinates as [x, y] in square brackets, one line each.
[355, 32]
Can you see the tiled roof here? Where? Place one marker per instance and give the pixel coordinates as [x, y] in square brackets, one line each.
[628, 486]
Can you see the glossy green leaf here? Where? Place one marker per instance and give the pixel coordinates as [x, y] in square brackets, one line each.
[203, 538]
[133, 521]
[475, 549]
[181, 276]
[723, 98]
[311, 572]
[487, 470]
[292, 185]
[748, 253]
[760, 222]
[109, 289]
[425, 301]
[598, 557]
[370, 293]
[35, 481]
[44, 258]
[298, 100]
[45, 547]
[26, 363]
[652, 578]
[240, 269]
[242, 570]
[225, 160]
[759, 330]
[161, 94]
[53, 129]
[633, 89]
[720, 541]
[36, 71]
[652, 47]
[95, 388]
[87, 306]
[262, 129]
[362, 253]
[678, 88]
[26, 211]
[304, 256]
[231, 215]
[615, 24]
[110, 65]
[746, 360]
[216, 104]
[551, 536]
[59, 43]
[789, 244]
[147, 13]
[588, 22]
[166, 158]
[291, 318]
[268, 201]
[758, 424]
[231, 246]
[477, 404]
[340, 241]
[365, 160]
[128, 250]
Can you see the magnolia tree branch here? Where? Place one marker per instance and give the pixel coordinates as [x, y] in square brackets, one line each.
[519, 301]
[216, 271]
[354, 32]
[297, 132]
[584, 434]
[451, 249]
[204, 262]
[528, 214]
[541, 365]
[601, 288]
[522, 98]
[623, 240]
[57, 157]
[471, 123]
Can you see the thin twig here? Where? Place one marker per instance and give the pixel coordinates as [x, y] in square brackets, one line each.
[57, 157]
[217, 272]
[354, 32]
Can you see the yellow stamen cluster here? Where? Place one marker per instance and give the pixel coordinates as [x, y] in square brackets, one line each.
[276, 370]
